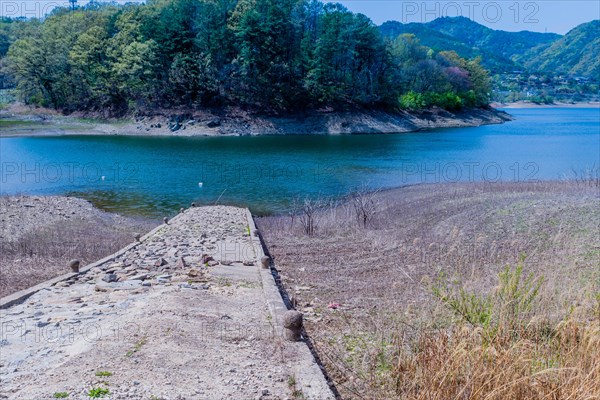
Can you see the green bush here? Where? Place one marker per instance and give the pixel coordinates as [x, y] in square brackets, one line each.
[543, 99]
[446, 100]
[417, 101]
[469, 98]
[412, 101]
[503, 311]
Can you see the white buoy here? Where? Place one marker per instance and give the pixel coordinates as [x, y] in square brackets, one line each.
[200, 184]
[103, 177]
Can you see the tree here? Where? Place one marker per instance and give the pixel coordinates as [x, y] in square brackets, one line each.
[272, 55]
[478, 91]
[262, 30]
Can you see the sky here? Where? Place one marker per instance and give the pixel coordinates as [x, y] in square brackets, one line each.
[558, 16]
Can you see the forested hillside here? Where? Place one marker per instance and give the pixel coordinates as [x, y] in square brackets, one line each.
[500, 51]
[576, 53]
[271, 55]
[505, 44]
[442, 42]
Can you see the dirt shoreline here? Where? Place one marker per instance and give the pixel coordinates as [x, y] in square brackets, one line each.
[20, 120]
[361, 289]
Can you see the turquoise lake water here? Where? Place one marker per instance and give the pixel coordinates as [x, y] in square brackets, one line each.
[157, 175]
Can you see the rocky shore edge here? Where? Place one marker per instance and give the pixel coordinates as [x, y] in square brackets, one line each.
[238, 122]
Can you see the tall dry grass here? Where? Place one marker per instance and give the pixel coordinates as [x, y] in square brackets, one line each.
[423, 314]
[542, 362]
[498, 349]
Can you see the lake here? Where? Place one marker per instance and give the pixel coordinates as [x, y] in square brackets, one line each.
[156, 176]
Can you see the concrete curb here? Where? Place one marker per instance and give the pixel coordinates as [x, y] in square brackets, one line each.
[310, 380]
[22, 295]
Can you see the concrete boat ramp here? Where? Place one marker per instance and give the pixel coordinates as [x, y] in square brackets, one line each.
[186, 312]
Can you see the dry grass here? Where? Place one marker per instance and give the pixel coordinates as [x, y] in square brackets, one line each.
[395, 336]
[44, 248]
[457, 365]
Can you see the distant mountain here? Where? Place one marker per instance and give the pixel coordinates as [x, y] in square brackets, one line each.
[506, 44]
[501, 51]
[439, 41]
[576, 53]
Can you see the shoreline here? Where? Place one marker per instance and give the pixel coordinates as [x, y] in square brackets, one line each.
[343, 273]
[38, 212]
[20, 121]
[43, 214]
[523, 104]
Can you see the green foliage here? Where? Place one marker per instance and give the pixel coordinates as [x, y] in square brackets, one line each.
[60, 395]
[415, 101]
[504, 311]
[98, 392]
[516, 296]
[507, 45]
[577, 53]
[5, 35]
[542, 99]
[472, 308]
[350, 60]
[273, 55]
[412, 101]
[136, 347]
[103, 373]
[291, 381]
[439, 41]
